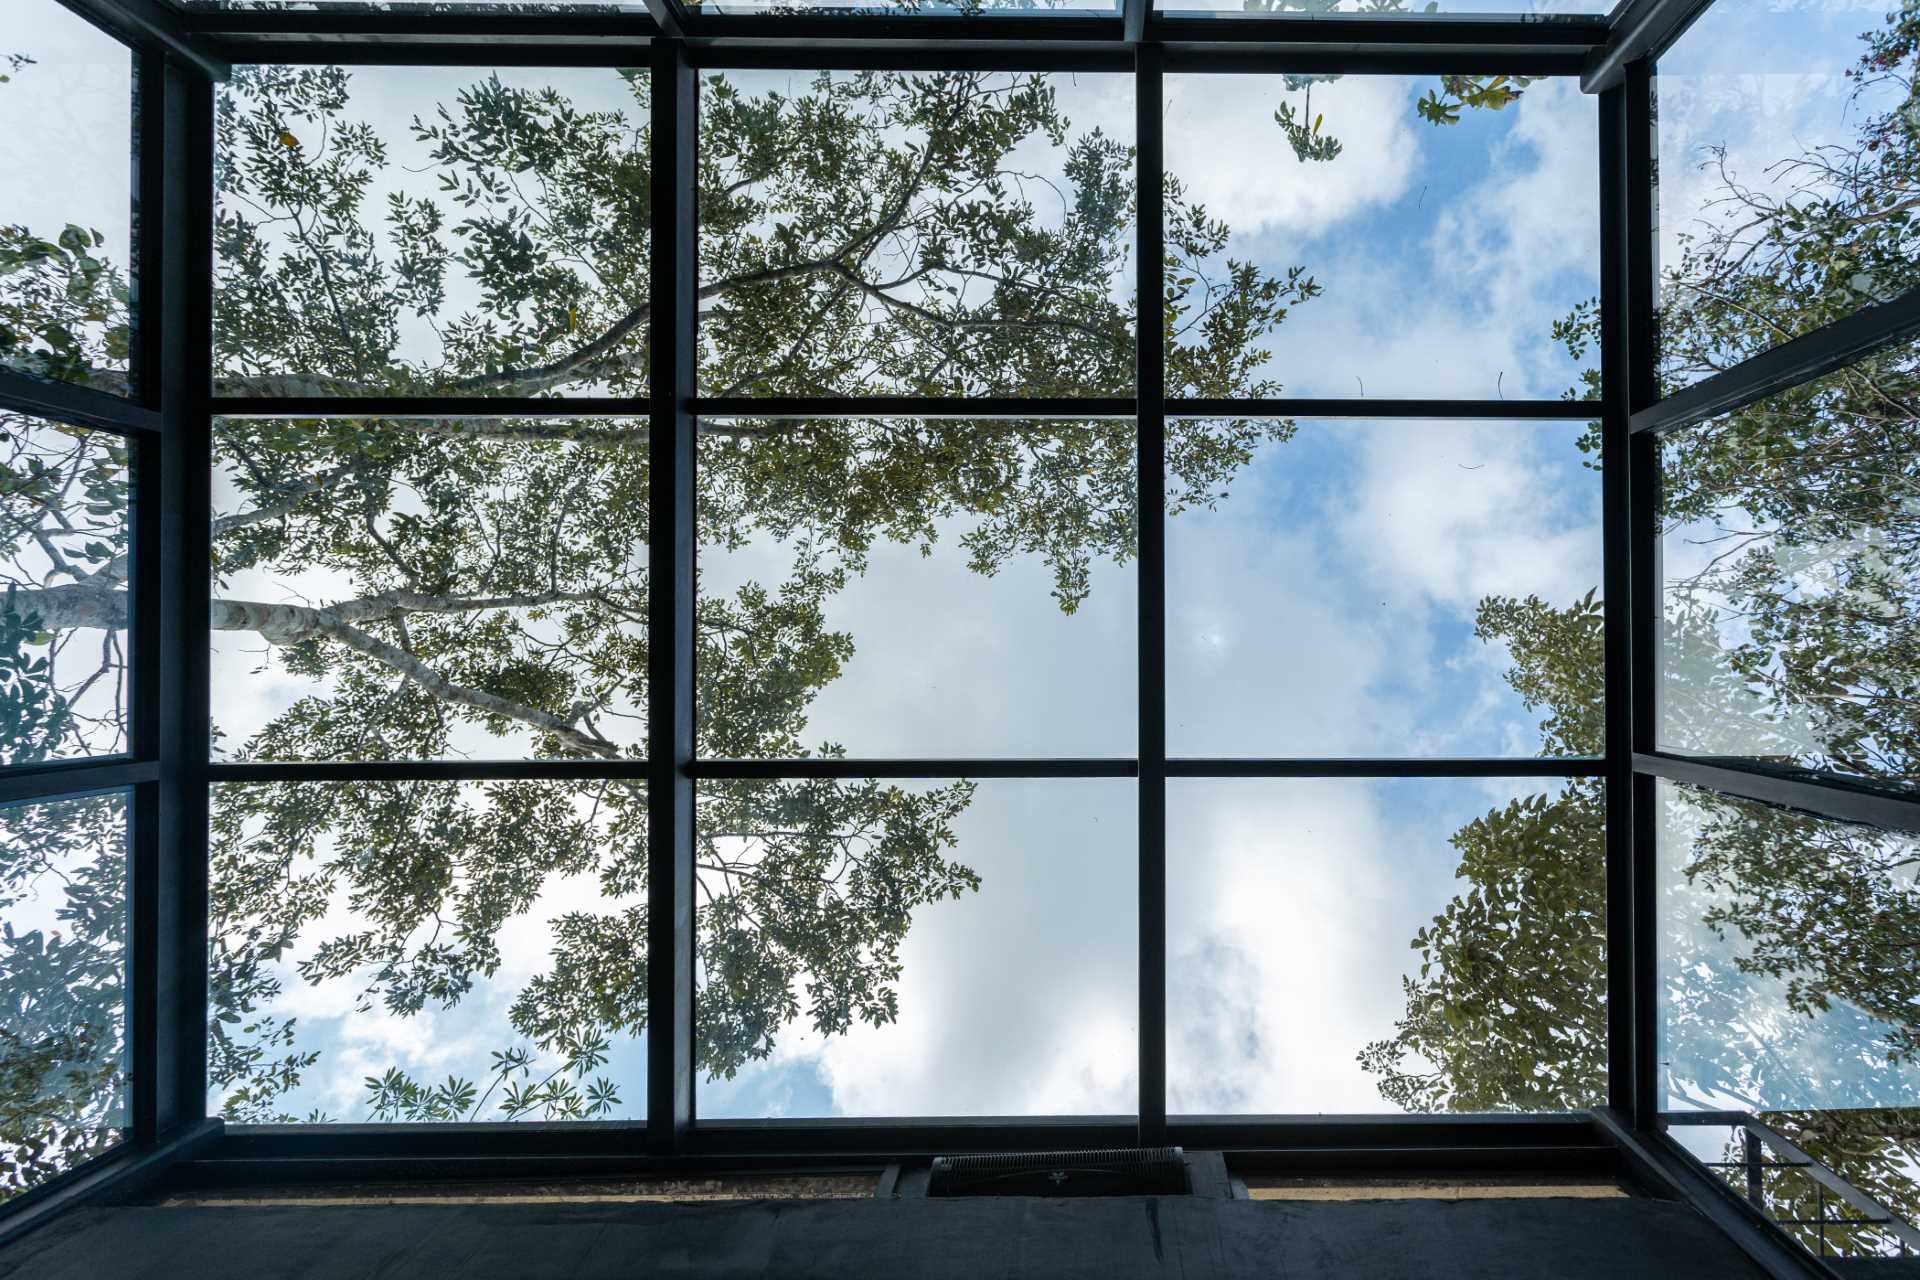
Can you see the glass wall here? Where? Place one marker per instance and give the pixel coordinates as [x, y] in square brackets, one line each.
[73, 743]
[1785, 642]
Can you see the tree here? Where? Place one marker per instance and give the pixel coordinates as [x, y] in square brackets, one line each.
[484, 580]
[1788, 943]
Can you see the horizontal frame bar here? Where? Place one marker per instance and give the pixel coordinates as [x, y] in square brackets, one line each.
[1300, 407]
[424, 770]
[1390, 767]
[1792, 363]
[972, 408]
[364, 51]
[79, 777]
[76, 405]
[885, 1137]
[956, 407]
[423, 29]
[344, 407]
[1842, 799]
[834, 767]
[839, 768]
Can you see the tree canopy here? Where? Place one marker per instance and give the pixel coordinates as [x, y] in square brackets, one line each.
[1789, 972]
[475, 585]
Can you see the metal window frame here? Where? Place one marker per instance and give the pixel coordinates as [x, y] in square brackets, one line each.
[182, 53]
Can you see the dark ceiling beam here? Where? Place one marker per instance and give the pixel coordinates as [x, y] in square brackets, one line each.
[1641, 29]
[152, 24]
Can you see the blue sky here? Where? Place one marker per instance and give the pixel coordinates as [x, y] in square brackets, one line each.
[1324, 608]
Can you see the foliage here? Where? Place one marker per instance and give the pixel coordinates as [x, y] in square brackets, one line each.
[1788, 964]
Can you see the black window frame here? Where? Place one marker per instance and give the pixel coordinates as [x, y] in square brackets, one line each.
[182, 54]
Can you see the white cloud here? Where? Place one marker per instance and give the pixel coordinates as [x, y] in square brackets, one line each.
[1222, 142]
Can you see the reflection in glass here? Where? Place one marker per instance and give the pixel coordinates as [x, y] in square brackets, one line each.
[1791, 560]
[891, 587]
[1787, 155]
[962, 233]
[65, 563]
[1391, 588]
[1790, 983]
[428, 951]
[886, 948]
[1409, 944]
[407, 231]
[66, 208]
[63, 985]
[405, 589]
[1356, 235]
[1791, 979]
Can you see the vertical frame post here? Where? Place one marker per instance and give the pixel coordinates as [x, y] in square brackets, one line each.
[1616, 575]
[171, 585]
[1630, 537]
[1643, 575]
[672, 335]
[1150, 424]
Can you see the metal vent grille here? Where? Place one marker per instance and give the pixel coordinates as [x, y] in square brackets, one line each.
[1131, 1171]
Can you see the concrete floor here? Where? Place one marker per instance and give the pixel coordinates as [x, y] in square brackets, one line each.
[977, 1239]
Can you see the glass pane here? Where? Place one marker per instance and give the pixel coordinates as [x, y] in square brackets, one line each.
[963, 233]
[917, 949]
[431, 230]
[66, 210]
[409, 589]
[1393, 588]
[906, 588]
[1384, 10]
[1788, 972]
[64, 565]
[1399, 236]
[1786, 161]
[1368, 945]
[428, 951]
[63, 985]
[1791, 561]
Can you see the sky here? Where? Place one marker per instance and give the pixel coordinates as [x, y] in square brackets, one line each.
[1324, 607]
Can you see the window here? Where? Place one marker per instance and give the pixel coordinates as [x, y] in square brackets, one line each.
[1381, 236]
[1400, 588]
[419, 589]
[66, 100]
[874, 948]
[1348, 945]
[1783, 177]
[64, 1056]
[455, 231]
[915, 234]
[917, 588]
[427, 951]
[1791, 581]
[67, 569]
